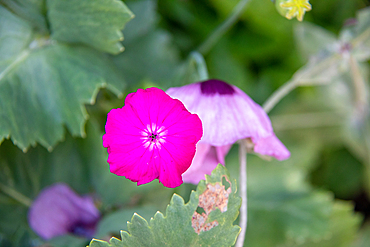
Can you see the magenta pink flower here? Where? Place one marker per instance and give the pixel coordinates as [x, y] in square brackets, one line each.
[228, 115]
[58, 210]
[151, 136]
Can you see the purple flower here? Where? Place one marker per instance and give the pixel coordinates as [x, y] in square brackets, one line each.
[58, 210]
[227, 115]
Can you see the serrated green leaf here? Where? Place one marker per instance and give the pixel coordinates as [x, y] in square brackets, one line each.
[95, 23]
[44, 85]
[175, 228]
[31, 10]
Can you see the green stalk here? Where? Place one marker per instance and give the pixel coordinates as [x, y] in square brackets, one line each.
[16, 195]
[207, 45]
[243, 193]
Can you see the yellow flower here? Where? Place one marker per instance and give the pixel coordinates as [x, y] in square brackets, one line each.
[295, 8]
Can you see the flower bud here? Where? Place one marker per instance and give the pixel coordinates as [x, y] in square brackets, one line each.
[293, 8]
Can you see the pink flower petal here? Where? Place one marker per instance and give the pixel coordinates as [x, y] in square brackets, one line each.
[206, 159]
[152, 136]
[272, 146]
[228, 115]
[58, 210]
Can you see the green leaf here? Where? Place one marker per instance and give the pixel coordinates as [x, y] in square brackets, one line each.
[112, 223]
[95, 23]
[176, 228]
[15, 36]
[150, 54]
[33, 11]
[342, 229]
[44, 85]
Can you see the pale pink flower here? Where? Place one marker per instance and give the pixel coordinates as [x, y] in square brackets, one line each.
[206, 158]
[58, 210]
[152, 136]
[227, 115]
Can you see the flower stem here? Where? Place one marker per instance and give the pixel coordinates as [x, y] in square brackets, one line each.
[201, 65]
[16, 195]
[207, 45]
[280, 93]
[360, 89]
[243, 193]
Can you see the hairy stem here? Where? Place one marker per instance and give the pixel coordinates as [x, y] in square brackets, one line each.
[212, 39]
[16, 195]
[243, 193]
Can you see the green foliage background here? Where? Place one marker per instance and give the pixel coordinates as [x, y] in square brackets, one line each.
[62, 69]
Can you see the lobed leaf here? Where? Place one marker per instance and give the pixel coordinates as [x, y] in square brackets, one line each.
[44, 85]
[178, 226]
[95, 23]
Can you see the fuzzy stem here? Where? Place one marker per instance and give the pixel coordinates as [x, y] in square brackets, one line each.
[207, 45]
[16, 195]
[243, 194]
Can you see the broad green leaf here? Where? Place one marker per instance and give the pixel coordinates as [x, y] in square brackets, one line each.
[178, 227]
[44, 86]
[95, 23]
[15, 35]
[33, 11]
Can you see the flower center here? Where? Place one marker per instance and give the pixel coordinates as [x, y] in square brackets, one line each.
[153, 136]
[212, 87]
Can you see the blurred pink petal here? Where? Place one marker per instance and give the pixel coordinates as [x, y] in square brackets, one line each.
[58, 210]
[152, 136]
[228, 115]
[206, 159]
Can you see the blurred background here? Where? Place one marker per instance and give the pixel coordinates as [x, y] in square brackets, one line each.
[318, 197]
